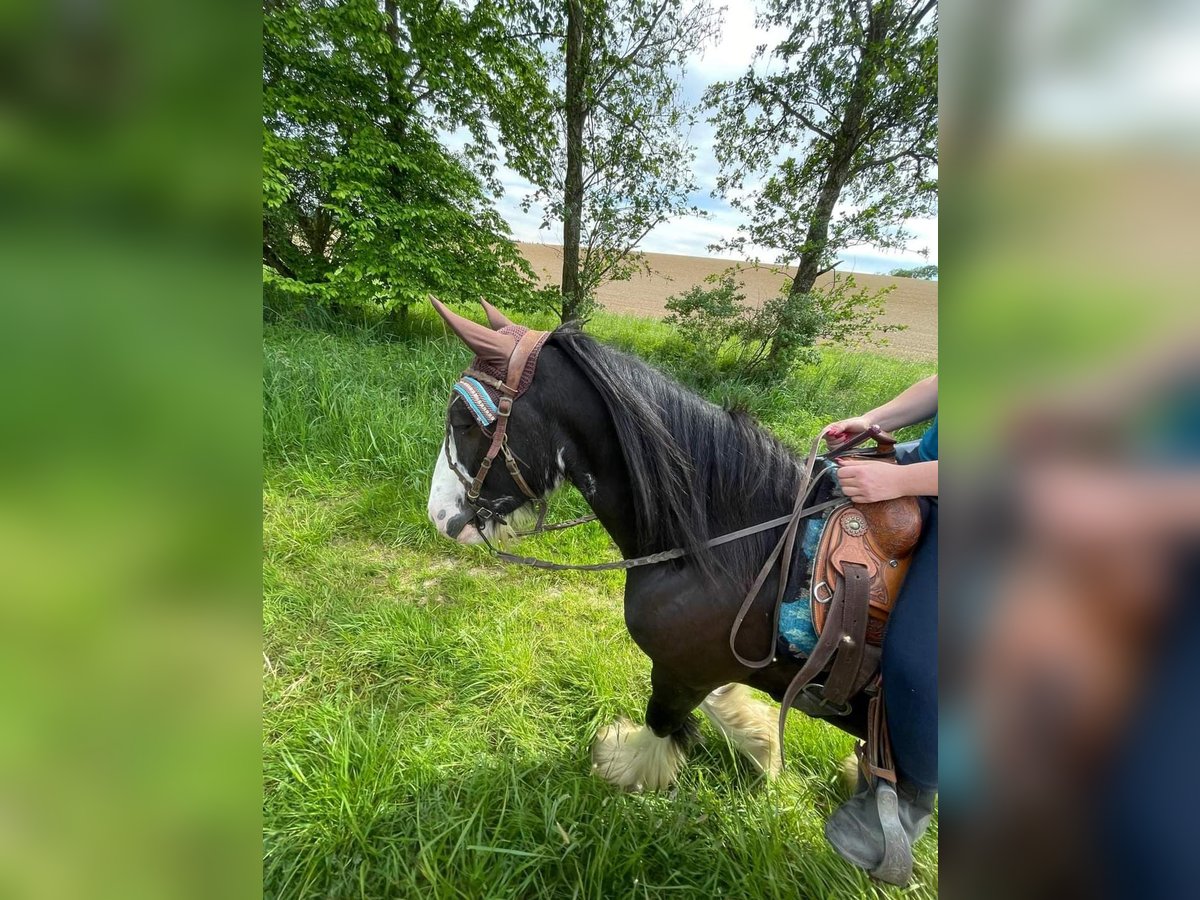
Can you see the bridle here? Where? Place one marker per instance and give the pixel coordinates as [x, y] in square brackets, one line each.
[499, 446]
[524, 356]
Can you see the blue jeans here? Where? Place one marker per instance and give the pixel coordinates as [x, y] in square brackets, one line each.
[1147, 820]
[910, 663]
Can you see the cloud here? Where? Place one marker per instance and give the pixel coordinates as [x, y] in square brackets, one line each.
[733, 50]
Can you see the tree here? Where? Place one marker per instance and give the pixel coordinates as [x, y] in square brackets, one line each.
[853, 86]
[928, 273]
[624, 163]
[361, 199]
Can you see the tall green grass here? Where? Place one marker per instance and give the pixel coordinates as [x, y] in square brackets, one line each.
[427, 712]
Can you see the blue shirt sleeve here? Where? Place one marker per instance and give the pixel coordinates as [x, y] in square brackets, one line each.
[927, 450]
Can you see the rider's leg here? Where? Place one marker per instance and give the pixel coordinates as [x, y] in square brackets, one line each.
[876, 828]
[909, 666]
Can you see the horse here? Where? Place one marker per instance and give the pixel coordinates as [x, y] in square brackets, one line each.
[661, 468]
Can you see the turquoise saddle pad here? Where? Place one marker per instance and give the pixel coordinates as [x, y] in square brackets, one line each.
[797, 635]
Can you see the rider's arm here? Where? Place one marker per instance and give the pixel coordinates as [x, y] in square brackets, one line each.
[870, 481]
[920, 479]
[915, 404]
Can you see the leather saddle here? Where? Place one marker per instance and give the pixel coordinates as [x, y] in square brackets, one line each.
[879, 537]
[862, 557]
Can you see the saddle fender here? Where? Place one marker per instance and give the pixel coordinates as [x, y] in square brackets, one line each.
[878, 536]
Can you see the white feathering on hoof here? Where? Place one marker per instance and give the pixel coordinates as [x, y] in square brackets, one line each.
[749, 724]
[849, 773]
[634, 758]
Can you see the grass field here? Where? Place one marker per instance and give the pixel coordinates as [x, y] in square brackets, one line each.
[428, 712]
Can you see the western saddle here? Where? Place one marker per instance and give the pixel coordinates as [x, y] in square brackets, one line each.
[861, 560]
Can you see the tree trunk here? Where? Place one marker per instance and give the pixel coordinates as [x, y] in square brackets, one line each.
[817, 237]
[841, 158]
[576, 113]
[392, 27]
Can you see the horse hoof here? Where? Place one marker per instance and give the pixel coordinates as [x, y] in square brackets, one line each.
[634, 758]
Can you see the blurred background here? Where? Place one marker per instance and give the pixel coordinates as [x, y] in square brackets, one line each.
[129, 448]
[129, 490]
[1069, 344]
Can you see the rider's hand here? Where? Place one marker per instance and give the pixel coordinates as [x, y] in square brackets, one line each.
[840, 432]
[868, 481]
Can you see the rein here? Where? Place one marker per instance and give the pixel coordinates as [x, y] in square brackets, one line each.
[792, 520]
[523, 357]
[651, 558]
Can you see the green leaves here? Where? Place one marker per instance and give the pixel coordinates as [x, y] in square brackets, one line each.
[725, 333]
[623, 163]
[929, 273]
[362, 199]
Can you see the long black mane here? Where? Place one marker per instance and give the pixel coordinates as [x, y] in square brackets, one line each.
[696, 470]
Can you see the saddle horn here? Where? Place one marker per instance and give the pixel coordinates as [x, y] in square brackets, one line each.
[495, 318]
[491, 346]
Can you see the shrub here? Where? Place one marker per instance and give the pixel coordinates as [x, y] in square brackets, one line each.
[725, 332]
[928, 273]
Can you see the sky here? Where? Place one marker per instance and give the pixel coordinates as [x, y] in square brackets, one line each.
[690, 236]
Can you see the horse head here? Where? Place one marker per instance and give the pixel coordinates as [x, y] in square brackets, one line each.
[497, 461]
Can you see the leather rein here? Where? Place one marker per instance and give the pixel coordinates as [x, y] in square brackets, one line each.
[521, 358]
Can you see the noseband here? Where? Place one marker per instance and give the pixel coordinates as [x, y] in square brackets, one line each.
[524, 356]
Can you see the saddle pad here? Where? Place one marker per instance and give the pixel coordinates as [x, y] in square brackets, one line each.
[797, 633]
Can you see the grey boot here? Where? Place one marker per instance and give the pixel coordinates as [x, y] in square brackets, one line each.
[876, 828]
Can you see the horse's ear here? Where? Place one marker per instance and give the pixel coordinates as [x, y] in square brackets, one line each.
[491, 346]
[495, 318]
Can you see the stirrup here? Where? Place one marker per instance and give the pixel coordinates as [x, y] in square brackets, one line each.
[897, 863]
[811, 701]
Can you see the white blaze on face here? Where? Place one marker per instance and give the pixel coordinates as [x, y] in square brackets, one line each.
[448, 507]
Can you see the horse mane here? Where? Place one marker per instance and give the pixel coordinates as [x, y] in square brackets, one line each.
[696, 470]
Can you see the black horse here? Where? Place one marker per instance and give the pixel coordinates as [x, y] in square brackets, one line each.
[661, 468]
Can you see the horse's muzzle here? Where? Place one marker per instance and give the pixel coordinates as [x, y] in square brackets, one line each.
[461, 527]
[469, 535]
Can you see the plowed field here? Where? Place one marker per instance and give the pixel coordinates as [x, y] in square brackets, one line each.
[912, 303]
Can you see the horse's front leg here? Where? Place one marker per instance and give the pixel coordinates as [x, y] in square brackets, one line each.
[648, 757]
